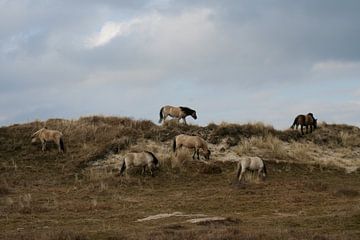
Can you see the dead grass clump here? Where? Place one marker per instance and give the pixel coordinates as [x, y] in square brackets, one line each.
[213, 233]
[181, 157]
[300, 152]
[210, 168]
[269, 146]
[120, 144]
[346, 192]
[317, 186]
[235, 131]
[4, 188]
[25, 203]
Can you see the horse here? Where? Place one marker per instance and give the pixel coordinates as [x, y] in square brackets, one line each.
[143, 159]
[191, 142]
[46, 135]
[253, 164]
[305, 120]
[176, 112]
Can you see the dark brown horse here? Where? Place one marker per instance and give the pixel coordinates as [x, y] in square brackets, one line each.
[305, 120]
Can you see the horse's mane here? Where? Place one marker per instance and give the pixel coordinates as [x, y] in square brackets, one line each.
[156, 161]
[37, 132]
[187, 110]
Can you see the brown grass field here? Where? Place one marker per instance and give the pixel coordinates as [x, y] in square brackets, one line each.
[312, 190]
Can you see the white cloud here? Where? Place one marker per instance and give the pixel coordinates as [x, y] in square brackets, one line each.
[336, 66]
[109, 31]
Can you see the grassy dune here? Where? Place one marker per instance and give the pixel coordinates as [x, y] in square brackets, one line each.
[312, 191]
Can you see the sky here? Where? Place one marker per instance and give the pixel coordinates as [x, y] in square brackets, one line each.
[232, 60]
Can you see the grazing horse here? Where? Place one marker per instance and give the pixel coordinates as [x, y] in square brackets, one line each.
[305, 120]
[46, 135]
[251, 163]
[176, 112]
[192, 142]
[142, 159]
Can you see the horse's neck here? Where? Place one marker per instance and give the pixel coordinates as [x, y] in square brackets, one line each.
[37, 133]
[204, 145]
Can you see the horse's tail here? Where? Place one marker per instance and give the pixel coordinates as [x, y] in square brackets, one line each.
[294, 123]
[238, 170]
[264, 168]
[161, 114]
[155, 160]
[174, 144]
[122, 166]
[62, 146]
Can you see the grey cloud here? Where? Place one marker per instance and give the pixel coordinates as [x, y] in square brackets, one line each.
[239, 46]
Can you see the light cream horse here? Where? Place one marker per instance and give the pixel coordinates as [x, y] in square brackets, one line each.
[142, 159]
[176, 112]
[252, 164]
[191, 142]
[46, 135]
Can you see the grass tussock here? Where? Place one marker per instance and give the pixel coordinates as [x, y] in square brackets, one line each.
[271, 147]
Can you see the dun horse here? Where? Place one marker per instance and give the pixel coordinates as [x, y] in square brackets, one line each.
[142, 159]
[305, 120]
[253, 164]
[46, 135]
[176, 112]
[191, 142]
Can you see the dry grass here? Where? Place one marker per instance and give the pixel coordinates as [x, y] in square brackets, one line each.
[271, 147]
[64, 196]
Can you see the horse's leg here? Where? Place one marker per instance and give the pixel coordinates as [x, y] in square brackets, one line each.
[143, 170]
[302, 130]
[43, 145]
[241, 175]
[259, 172]
[184, 120]
[151, 170]
[58, 144]
[193, 156]
[307, 128]
[311, 128]
[197, 152]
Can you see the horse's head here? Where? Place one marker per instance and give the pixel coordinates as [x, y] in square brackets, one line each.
[34, 139]
[207, 154]
[315, 123]
[194, 115]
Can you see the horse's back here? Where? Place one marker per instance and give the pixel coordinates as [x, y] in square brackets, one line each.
[137, 159]
[189, 140]
[48, 134]
[252, 163]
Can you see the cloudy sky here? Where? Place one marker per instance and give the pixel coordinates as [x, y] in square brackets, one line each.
[231, 60]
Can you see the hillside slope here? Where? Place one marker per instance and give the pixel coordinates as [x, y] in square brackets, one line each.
[79, 194]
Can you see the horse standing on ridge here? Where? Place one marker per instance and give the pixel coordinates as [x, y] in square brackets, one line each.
[191, 142]
[46, 135]
[176, 112]
[305, 120]
[142, 159]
